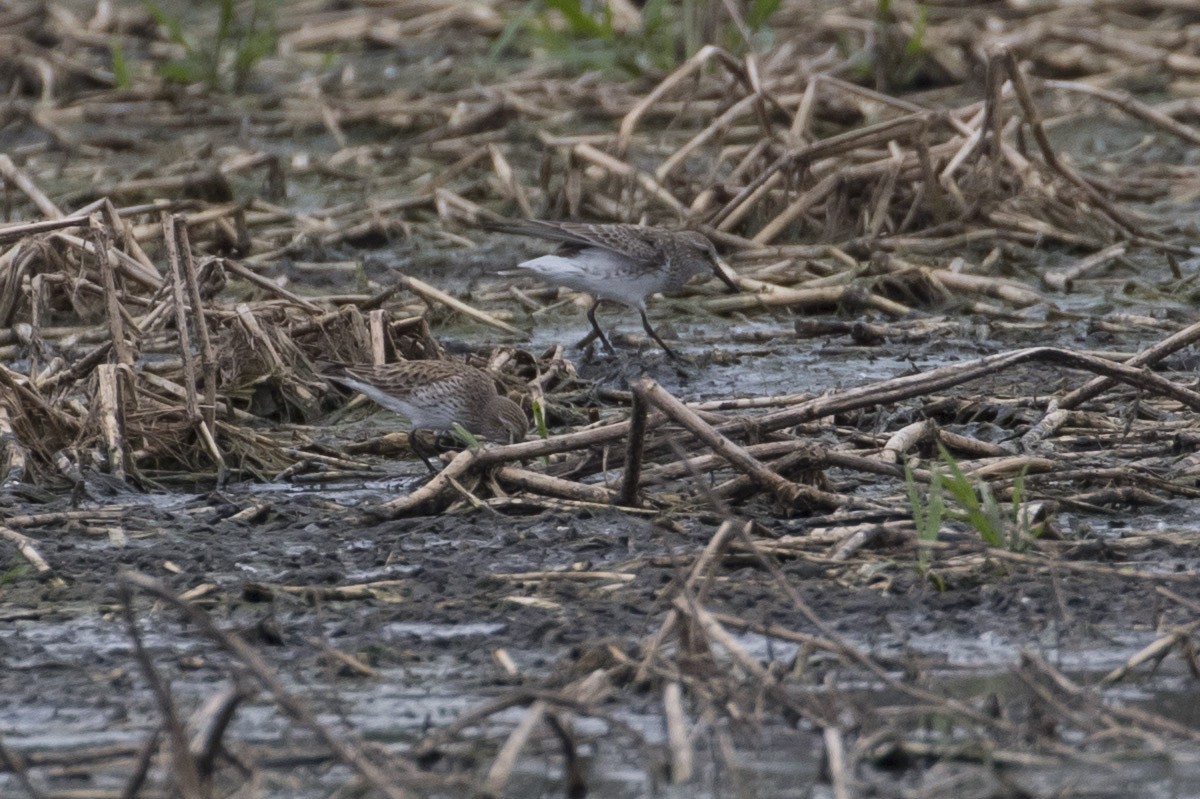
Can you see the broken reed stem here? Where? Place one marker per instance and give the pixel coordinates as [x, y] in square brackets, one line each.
[835, 762]
[431, 294]
[633, 452]
[28, 549]
[184, 273]
[209, 438]
[208, 359]
[11, 173]
[506, 759]
[349, 752]
[548, 485]
[923, 383]
[128, 243]
[11, 233]
[1064, 279]
[1156, 650]
[432, 493]
[789, 493]
[108, 394]
[715, 632]
[101, 241]
[377, 321]
[852, 653]
[903, 440]
[529, 450]
[1151, 355]
[210, 722]
[13, 456]
[1047, 149]
[175, 257]
[184, 771]
[631, 119]
[269, 286]
[677, 733]
[702, 572]
[620, 169]
[862, 137]
[1135, 108]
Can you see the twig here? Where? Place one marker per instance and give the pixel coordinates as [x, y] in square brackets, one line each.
[1117, 215]
[431, 294]
[184, 768]
[208, 359]
[1151, 355]
[13, 763]
[633, 452]
[101, 242]
[506, 759]
[1156, 650]
[924, 383]
[789, 493]
[349, 752]
[677, 734]
[28, 549]
[169, 224]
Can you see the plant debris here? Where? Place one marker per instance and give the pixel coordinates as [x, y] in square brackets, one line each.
[196, 219]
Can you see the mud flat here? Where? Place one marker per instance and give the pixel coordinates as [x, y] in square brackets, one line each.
[915, 514]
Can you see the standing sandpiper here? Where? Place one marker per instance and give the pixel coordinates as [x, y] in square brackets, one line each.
[434, 395]
[621, 263]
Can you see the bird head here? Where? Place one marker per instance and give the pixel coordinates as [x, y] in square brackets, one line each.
[505, 421]
[704, 249]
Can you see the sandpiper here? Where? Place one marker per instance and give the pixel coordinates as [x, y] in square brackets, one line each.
[434, 395]
[621, 263]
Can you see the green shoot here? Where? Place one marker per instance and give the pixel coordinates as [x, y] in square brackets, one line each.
[760, 13]
[119, 66]
[229, 55]
[539, 421]
[979, 513]
[15, 572]
[983, 512]
[668, 33]
[539, 418]
[927, 514]
[466, 436]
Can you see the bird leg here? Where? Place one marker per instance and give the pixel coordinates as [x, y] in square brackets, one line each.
[418, 448]
[596, 333]
[653, 335]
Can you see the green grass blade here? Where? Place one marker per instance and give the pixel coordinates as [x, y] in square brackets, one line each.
[580, 21]
[516, 23]
[914, 501]
[466, 436]
[119, 67]
[760, 13]
[936, 507]
[171, 23]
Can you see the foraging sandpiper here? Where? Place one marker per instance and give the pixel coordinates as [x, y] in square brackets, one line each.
[621, 263]
[434, 395]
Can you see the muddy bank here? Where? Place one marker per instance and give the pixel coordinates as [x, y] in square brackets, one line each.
[560, 595]
[915, 514]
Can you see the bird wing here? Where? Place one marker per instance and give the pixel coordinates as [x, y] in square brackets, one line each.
[631, 241]
[400, 379]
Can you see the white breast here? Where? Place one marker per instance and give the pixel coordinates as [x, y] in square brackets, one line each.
[601, 273]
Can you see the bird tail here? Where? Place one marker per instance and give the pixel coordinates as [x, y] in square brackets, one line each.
[341, 371]
[330, 368]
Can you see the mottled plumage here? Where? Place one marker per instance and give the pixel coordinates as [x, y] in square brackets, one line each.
[621, 263]
[434, 395]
